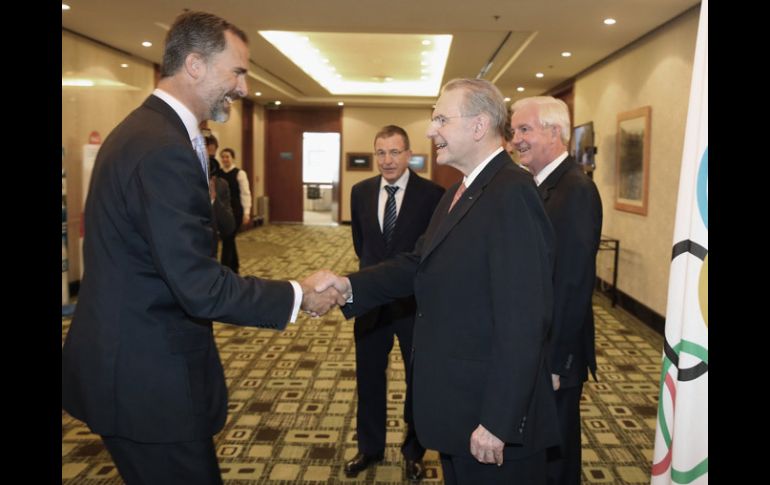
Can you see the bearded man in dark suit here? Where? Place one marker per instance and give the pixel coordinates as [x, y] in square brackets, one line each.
[139, 363]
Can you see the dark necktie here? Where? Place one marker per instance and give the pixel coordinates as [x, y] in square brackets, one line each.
[389, 217]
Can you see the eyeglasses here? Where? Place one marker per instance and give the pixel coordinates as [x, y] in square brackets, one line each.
[442, 120]
[393, 153]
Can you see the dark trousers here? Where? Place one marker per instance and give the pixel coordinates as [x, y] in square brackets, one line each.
[466, 470]
[229, 255]
[190, 463]
[373, 345]
[565, 463]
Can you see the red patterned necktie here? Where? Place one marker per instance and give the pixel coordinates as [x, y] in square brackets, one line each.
[458, 194]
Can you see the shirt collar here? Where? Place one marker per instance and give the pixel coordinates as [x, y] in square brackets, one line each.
[401, 182]
[188, 118]
[476, 171]
[548, 169]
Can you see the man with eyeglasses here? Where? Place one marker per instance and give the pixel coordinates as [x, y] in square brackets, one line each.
[481, 276]
[389, 213]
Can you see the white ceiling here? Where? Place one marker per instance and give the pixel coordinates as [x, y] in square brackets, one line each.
[539, 31]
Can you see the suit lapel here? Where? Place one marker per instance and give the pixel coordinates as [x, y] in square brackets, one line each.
[468, 199]
[373, 218]
[411, 196]
[553, 179]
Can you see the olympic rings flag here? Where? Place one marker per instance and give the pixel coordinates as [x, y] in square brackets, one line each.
[681, 438]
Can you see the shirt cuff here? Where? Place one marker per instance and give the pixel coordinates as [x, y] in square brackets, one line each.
[297, 300]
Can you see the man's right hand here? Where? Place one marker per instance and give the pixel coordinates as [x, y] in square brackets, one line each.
[322, 290]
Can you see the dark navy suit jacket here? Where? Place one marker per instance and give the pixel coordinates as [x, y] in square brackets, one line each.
[481, 275]
[574, 208]
[139, 360]
[420, 198]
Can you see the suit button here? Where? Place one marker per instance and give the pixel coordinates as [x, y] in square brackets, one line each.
[419, 314]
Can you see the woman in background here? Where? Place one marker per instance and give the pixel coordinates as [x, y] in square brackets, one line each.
[240, 198]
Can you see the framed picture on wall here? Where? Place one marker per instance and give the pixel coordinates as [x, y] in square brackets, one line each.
[418, 162]
[632, 168]
[359, 161]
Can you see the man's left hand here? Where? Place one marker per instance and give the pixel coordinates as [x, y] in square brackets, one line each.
[486, 447]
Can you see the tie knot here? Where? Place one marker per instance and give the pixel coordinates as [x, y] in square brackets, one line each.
[199, 142]
[391, 189]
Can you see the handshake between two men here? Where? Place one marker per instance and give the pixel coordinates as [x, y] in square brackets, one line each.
[322, 290]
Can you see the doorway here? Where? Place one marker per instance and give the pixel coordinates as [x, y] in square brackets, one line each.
[320, 168]
[284, 130]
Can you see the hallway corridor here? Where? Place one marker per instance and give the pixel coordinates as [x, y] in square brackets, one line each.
[292, 394]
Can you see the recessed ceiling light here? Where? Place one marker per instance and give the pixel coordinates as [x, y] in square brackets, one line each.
[388, 79]
[64, 6]
[258, 93]
[507, 99]
[340, 103]
[83, 83]
[539, 74]
[520, 89]
[124, 65]
[566, 54]
[609, 21]
[277, 103]
[305, 55]
[147, 43]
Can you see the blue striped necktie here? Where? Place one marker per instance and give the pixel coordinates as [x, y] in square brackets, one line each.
[199, 144]
[389, 217]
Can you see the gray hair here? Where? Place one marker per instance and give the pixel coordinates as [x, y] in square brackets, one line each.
[195, 32]
[551, 112]
[481, 96]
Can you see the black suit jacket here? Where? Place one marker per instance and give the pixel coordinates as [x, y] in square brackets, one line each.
[420, 199]
[139, 360]
[481, 275]
[574, 208]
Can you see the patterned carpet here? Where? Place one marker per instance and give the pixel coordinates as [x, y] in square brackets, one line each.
[292, 394]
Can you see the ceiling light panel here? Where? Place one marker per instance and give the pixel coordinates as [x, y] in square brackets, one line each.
[367, 64]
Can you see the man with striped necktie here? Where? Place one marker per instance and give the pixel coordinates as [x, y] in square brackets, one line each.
[388, 213]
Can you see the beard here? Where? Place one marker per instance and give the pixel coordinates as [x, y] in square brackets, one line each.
[220, 111]
[220, 108]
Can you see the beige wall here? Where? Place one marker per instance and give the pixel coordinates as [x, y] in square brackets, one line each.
[654, 72]
[258, 179]
[359, 125]
[229, 134]
[87, 109]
